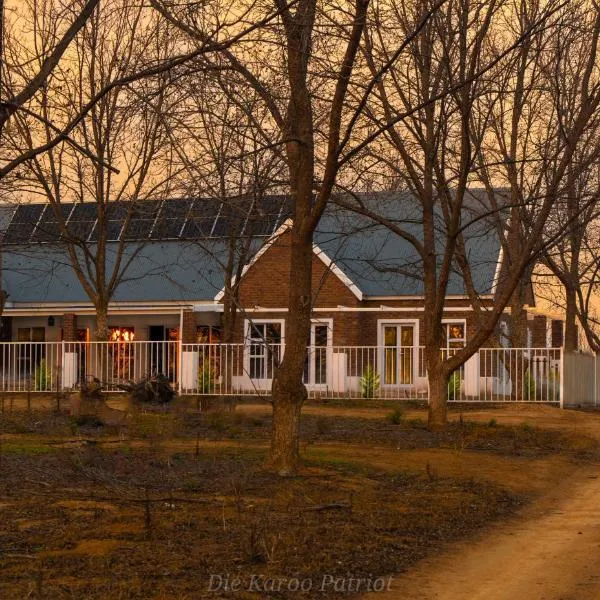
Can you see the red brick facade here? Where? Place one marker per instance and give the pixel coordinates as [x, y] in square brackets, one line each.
[355, 322]
[69, 327]
[188, 334]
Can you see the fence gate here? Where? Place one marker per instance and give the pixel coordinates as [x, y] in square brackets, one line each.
[580, 380]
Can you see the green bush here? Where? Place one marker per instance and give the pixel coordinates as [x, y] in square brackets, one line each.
[454, 386]
[369, 382]
[396, 416]
[529, 387]
[42, 377]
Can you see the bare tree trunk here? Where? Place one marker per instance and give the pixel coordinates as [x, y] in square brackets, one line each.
[102, 323]
[570, 341]
[438, 391]
[289, 392]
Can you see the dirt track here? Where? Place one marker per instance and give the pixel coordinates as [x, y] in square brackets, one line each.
[550, 552]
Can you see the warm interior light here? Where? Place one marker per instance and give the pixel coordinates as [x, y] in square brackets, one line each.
[122, 334]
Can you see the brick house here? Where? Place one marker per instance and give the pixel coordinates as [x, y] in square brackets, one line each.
[368, 295]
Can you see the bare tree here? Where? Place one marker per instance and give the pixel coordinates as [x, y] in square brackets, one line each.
[223, 140]
[308, 109]
[118, 154]
[481, 112]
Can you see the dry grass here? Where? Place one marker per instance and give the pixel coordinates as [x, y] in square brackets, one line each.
[152, 509]
[91, 523]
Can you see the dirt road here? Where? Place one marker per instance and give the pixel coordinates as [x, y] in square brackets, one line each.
[550, 552]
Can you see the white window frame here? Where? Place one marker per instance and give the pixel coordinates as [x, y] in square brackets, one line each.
[310, 384]
[248, 323]
[381, 323]
[462, 322]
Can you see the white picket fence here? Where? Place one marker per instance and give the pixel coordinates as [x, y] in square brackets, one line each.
[491, 375]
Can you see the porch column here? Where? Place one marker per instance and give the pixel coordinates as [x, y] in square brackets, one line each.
[188, 381]
[538, 332]
[68, 360]
[69, 321]
[188, 326]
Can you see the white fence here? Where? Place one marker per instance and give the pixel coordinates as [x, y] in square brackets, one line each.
[491, 375]
[389, 372]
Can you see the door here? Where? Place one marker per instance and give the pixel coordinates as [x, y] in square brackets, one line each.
[317, 359]
[398, 354]
[32, 349]
[156, 335]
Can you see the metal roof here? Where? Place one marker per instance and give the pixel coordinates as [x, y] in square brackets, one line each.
[165, 268]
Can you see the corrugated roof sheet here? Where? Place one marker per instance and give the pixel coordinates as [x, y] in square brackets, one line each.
[378, 261]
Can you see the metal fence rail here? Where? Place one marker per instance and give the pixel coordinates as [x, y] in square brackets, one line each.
[491, 375]
[387, 372]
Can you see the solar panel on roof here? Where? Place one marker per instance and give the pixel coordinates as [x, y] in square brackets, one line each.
[84, 212]
[166, 229]
[177, 218]
[49, 232]
[18, 233]
[113, 231]
[198, 228]
[28, 213]
[174, 208]
[116, 211]
[204, 208]
[80, 230]
[52, 213]
[141, 220]
[138, 229]
[170, 219]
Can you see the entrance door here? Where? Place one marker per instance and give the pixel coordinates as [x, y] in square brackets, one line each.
[315, 366]
[398, 354]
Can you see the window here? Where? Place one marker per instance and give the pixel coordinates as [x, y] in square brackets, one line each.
[315, 365]
[122, 352]
[398, 353]
[208, 334]
[264, 341]
[454, 334]
[33, 350]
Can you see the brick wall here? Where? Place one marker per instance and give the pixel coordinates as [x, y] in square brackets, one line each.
[188, 334]
[538, 331]
[69, 327]
[266, 283]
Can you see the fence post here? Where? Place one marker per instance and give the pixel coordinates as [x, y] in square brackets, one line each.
[562, 377]
[179, 362]
[62, 366]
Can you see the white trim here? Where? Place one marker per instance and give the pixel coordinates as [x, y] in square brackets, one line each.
[281, 230]
[328, 349]
[381, 323]
[336, 309]
[247, 325]
[463, 322]
[496, 279]
[316, 250]
[112, 310]
[337, 271]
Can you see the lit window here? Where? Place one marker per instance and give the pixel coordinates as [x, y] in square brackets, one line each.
[454, 335]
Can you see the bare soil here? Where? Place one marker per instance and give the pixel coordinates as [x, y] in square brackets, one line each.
[153, 508]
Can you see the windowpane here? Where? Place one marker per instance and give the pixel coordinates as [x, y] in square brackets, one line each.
[407, 335]
[390, 336]
[321, 335]
[273, 333]
[391, 355]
